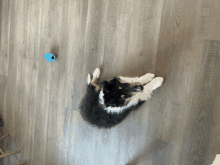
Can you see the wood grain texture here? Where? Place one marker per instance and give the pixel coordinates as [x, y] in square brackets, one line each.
[176, 39]
[5, 36]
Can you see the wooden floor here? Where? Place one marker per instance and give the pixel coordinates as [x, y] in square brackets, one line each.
[176, 39]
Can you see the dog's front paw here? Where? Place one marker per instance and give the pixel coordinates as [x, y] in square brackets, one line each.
[146, 78]
[157, 82]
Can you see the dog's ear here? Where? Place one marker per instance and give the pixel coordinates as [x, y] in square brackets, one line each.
[106, 86]
[88, 79]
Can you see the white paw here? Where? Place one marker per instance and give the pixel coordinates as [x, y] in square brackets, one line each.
[146, 78]
[88, 79]
[149, 76]
[157, 82]
[96, 73]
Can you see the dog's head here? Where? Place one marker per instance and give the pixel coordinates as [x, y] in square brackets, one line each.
[118, 94]
[114, 93]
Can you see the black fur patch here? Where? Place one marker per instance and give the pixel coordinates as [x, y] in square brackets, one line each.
[116, 93]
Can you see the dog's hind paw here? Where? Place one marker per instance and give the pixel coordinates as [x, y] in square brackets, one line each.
[88, 79]
[96, 73]
[95, 76]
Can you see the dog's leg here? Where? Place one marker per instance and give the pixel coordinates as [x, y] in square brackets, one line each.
[96, 74]
[143, 79]
[148, 89]
[146, 78]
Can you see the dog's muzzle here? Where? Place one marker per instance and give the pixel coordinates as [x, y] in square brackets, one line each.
[136, 87]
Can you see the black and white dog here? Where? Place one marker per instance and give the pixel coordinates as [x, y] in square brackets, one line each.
[106, 104]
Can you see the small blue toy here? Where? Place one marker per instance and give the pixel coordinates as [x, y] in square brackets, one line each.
[50, 57]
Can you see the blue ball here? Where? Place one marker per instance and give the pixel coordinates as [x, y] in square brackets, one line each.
[50, 57]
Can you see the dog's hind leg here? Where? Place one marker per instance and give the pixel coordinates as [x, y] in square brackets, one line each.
[143, 79]
[95, 76]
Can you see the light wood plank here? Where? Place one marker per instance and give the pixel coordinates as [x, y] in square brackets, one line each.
[5, 36]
